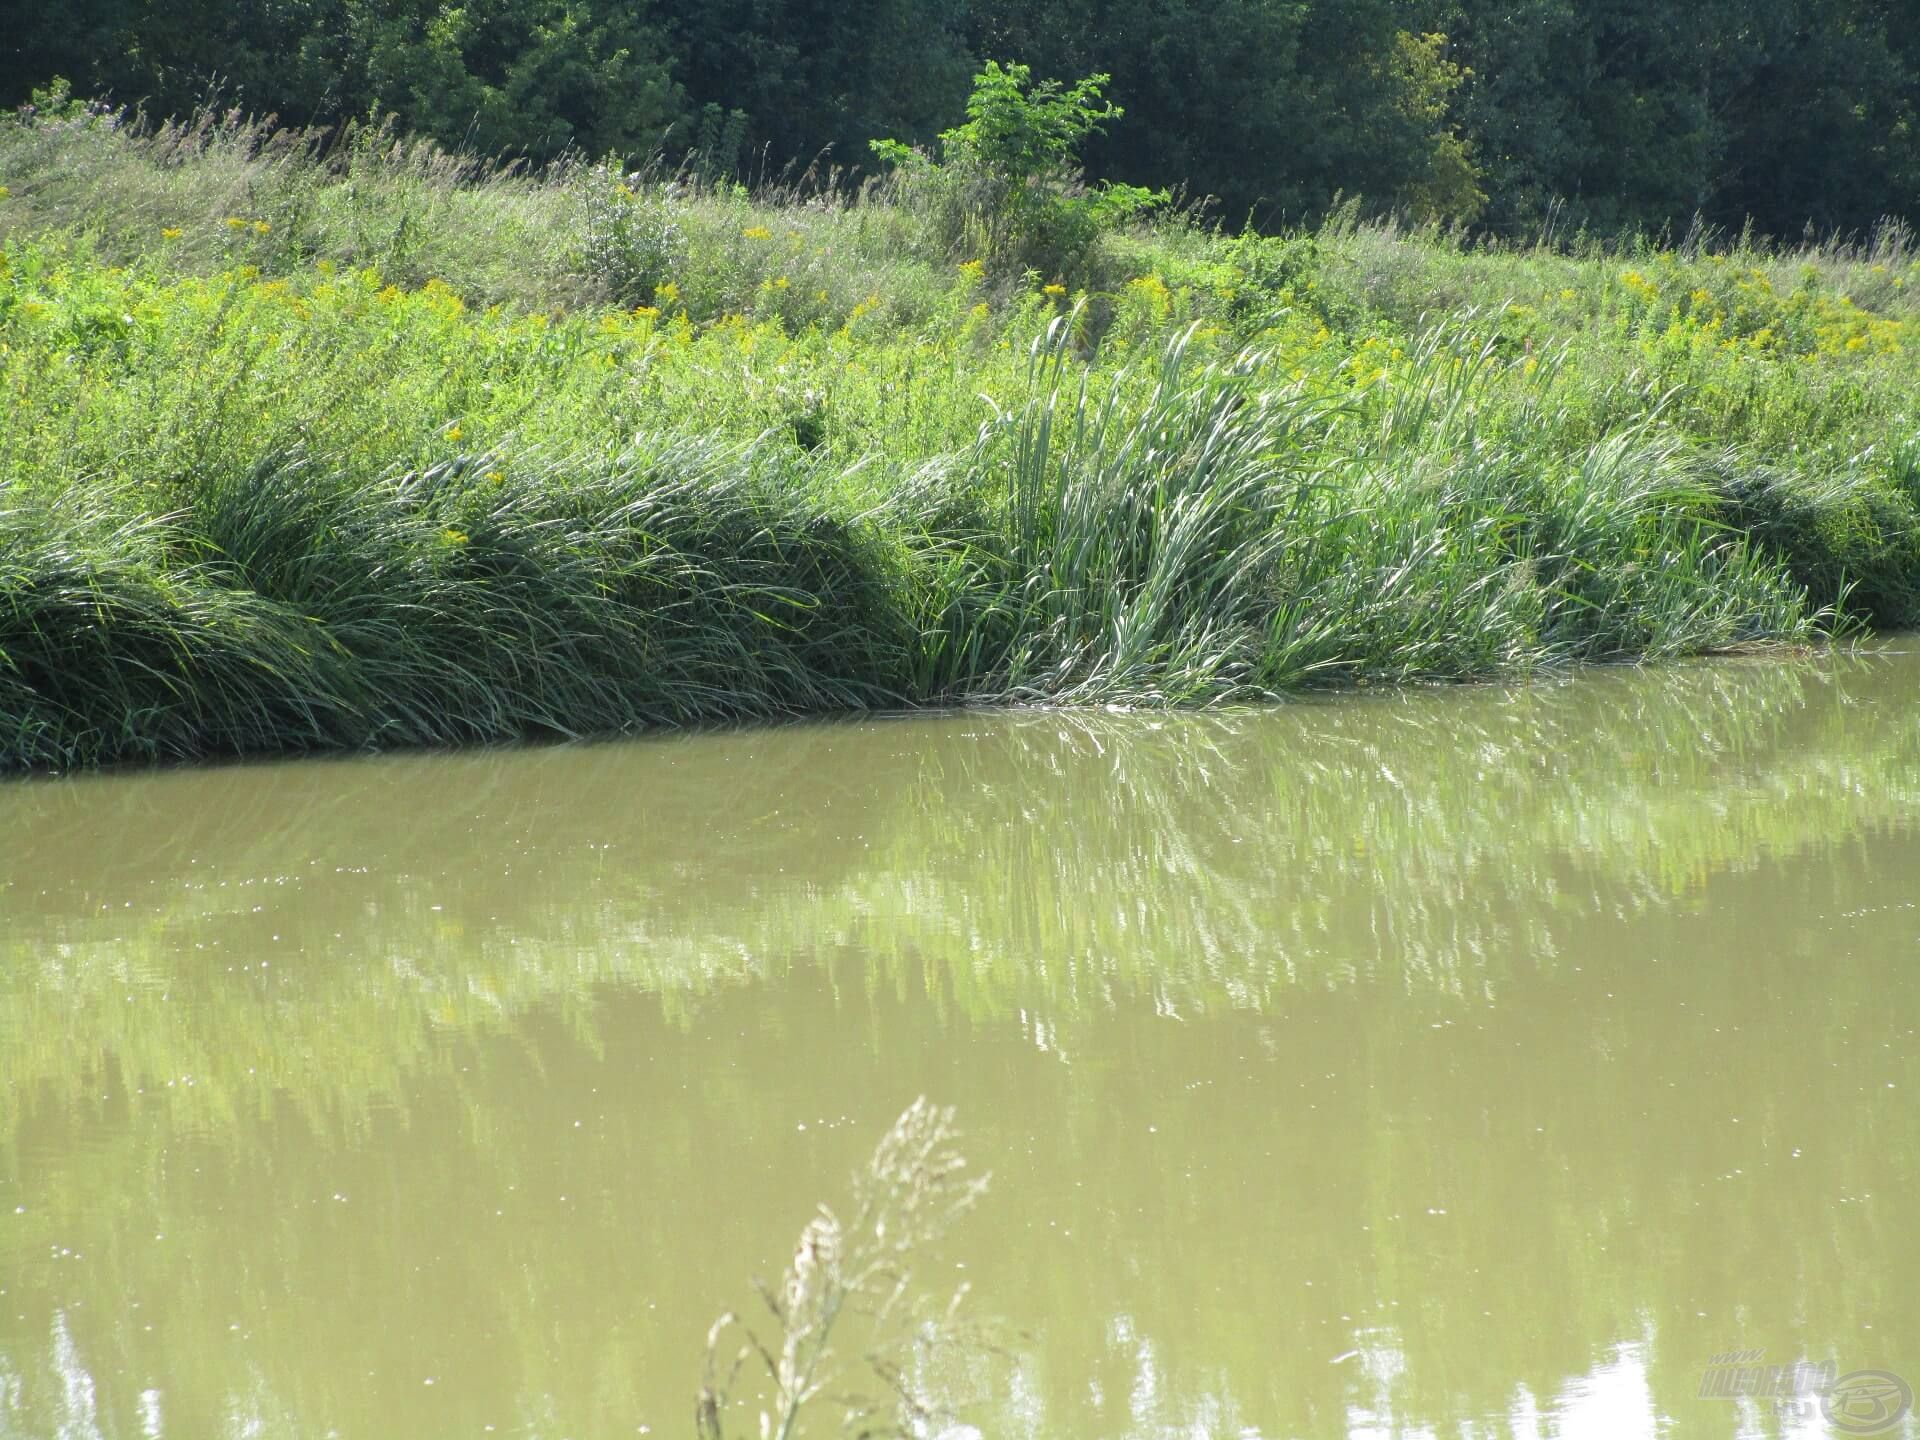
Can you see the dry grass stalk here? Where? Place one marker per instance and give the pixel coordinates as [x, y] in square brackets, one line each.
[912, 1189]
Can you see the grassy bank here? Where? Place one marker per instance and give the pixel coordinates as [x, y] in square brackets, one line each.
[304, 450]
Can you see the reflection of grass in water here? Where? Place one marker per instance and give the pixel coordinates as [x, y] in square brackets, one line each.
[1052, 860]
[1443, 837]
[1614, 1173]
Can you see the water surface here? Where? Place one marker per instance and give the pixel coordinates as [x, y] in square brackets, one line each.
[1478, 1062]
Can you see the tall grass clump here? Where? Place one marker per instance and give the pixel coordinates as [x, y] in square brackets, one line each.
[1473, 539]
[294, 606]
[1850, 535]
[1220, 536]
[1142, 540]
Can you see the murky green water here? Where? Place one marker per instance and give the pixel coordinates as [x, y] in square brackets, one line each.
[1469, 1063]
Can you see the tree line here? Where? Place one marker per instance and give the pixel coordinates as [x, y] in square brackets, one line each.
[1510, 115]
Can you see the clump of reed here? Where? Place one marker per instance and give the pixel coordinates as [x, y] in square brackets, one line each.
[294, 607]
[1224, 538]
[1141, 539]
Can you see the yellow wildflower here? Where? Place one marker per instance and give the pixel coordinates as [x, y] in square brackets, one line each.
[450, 536]
[667, 294]
[170, 232]
[757, 232]
[234, 222]
[1639, 284]
[261, 227]
[454, 433]
[1055, 290]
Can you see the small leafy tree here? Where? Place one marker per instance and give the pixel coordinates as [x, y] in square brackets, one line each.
[1007, 184]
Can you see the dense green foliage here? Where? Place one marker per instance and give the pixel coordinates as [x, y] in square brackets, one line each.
[382, 447]
[1516, 115]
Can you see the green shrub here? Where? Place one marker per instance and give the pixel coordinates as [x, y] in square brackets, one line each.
[1007, 186]
[630, 240]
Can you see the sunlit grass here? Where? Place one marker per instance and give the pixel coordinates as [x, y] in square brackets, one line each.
[375, 447]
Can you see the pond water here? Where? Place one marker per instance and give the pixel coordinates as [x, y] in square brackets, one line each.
[1475, 1062]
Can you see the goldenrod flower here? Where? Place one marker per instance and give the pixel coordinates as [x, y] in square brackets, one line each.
[170, 232]
[757, 232]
